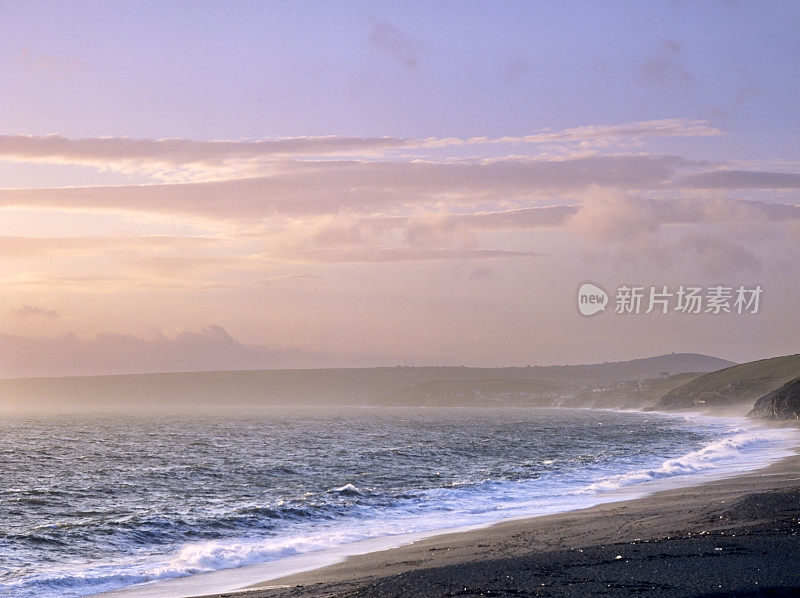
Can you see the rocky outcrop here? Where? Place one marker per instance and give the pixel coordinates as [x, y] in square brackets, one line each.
[782, 403]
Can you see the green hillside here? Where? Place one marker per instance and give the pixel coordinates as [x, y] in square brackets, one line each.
[735, 385]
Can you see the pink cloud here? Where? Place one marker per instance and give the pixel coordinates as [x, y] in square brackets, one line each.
[32, 311]
[332, 186]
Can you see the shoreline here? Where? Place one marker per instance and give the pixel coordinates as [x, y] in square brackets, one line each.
[737, 535]
[432, 558]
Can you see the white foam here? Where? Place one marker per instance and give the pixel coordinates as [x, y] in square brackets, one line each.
[744, 446]
[348, 489]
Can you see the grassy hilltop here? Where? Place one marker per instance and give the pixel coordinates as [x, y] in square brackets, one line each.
[736, 385]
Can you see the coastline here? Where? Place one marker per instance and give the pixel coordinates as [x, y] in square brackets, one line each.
[442, 563]
[737, 535]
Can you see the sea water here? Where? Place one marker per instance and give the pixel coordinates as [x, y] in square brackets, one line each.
[92, 503]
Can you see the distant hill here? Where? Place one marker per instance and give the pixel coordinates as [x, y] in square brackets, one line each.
[783, 403]
[734, 385]
[636, 394]
[476, 393]
[357, 386]
[635, 369]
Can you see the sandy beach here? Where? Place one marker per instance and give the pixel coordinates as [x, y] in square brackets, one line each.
[737, 536]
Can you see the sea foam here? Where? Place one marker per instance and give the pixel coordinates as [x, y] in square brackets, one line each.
[450, 475]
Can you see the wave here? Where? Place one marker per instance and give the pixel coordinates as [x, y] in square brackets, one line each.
[742, 447]
[348, 490]
[216, 555]
[316, 528]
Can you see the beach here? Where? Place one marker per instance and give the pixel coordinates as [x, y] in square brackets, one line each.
[734, 536]
[398, 502]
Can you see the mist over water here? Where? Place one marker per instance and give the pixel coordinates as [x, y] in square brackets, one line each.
[95, 502]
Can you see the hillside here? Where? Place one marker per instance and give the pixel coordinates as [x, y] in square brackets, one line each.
[365, 386]
[734, 385]
[635, 369]
[476, 393]
[783, 403]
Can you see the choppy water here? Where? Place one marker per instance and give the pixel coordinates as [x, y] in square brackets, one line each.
[90, 503]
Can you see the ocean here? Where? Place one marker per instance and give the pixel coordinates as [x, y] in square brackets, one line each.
[93, 503]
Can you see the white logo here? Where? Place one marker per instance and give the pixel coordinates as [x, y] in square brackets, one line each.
[591, 299]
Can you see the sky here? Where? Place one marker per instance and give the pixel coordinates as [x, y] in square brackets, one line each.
[242, 185]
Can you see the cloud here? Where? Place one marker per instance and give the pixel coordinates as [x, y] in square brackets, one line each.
[165, 262]
[157, 155]
[481, 273]
[184, 267]
[31, 311]
[718, 255]
[614, 215]
[515, 69]
[517, 219]
[128, 152]
[113, 353]
[103, 283]
[608, 214]
[44, 246]
[459, 230]
[332, 186]
[710, 232]
[664, 67]
[339, 230]
[669, 127]
[49, 62]
[392, 41]
[740, 179]
[438, 230]
[365, 255]
[398, 238]
[281, 277]
[750, 92]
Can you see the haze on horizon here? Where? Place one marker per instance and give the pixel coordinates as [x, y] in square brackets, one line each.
[270, 185]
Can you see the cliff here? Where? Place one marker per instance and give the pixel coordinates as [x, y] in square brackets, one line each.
[782, 403]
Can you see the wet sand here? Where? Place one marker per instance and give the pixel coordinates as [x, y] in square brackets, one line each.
[734, 537]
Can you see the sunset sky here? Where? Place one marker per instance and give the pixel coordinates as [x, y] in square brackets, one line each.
[199, 185]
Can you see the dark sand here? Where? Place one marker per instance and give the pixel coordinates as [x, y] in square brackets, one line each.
[733, 537]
